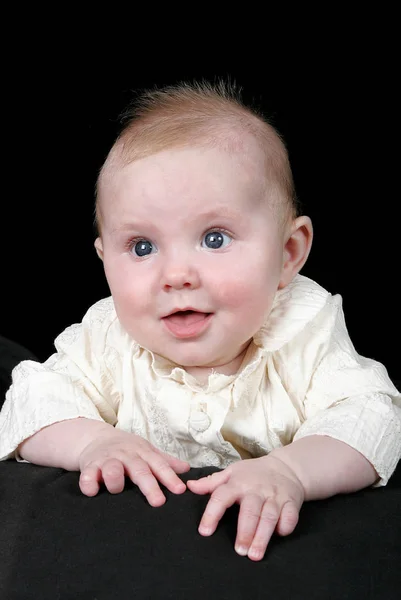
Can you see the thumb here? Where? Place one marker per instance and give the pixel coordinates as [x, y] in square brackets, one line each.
[207, 485]
[178, 465]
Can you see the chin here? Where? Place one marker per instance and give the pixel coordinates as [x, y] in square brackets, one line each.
[186, 358]
[190, 362]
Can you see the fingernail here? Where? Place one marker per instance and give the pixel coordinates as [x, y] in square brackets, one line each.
[241, 550]
[205, 530]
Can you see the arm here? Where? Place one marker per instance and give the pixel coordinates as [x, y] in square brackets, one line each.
[61, 444]
[74, 382]
[105, 454]
[325, 466]
[339, 394]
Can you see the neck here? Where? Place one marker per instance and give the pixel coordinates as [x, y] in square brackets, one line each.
[201, 374]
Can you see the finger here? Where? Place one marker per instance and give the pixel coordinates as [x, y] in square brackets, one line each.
[178, 465]
[221, 499]
[139, 472]
[267, 523]
[113, 474]
[207, 485]
[89, 480]
[288, 519]
[165, 474]
[248, 521]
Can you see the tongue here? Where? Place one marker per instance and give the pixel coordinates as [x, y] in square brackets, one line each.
[187, 317]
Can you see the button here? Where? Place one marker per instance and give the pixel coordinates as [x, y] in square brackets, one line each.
[199, 420]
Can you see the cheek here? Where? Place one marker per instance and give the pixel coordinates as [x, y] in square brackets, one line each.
[251, 285]
[232, 293]
[126, 285]
[117, 278]
[251, 295]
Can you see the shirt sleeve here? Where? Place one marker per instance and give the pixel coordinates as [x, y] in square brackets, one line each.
[74, 382]
[349, 397]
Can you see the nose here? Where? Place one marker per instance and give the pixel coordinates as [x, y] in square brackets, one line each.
[179, 274]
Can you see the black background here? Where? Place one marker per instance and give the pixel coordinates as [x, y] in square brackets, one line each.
[332, 98]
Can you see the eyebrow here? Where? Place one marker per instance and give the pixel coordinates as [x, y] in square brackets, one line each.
[217, 214]
[226, 213]
[125, 227]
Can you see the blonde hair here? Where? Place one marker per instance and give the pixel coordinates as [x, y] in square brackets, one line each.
[198, 114]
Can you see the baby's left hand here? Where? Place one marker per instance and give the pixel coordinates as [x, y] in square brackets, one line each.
[270, 497]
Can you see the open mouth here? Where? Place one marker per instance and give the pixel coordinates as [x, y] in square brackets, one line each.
[187, 323]
[187, 317]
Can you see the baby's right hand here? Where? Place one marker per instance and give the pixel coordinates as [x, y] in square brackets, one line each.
[110, 458]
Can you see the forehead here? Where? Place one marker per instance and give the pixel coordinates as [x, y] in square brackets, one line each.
[185, 179]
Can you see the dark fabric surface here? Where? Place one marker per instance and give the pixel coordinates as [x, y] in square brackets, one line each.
[56, 543]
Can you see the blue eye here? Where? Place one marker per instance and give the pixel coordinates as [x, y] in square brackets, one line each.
[143, 248]
[215, 240]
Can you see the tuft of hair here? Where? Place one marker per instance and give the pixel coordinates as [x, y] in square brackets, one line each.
[198, 113]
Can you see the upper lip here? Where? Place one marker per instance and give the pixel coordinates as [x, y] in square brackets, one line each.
[185, 308]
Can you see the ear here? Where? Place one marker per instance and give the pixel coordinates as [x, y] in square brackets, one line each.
[296, 249]
[99, 247]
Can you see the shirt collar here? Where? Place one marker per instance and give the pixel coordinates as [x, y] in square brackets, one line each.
[294, 307]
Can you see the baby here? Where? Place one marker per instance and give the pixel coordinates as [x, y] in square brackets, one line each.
[212, 349]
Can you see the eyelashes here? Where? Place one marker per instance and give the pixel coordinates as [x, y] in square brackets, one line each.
[214, 238]
[143, 248]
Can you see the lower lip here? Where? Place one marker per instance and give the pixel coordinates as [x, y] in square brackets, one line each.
[188, 331]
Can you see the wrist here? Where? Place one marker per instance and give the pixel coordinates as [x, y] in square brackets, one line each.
[289, 468]
[326, 466]
[288, 458]
[60, 444]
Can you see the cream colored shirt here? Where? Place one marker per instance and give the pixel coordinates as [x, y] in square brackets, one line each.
[301, 376]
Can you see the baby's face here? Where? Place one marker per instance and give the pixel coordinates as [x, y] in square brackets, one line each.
[192, 253]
